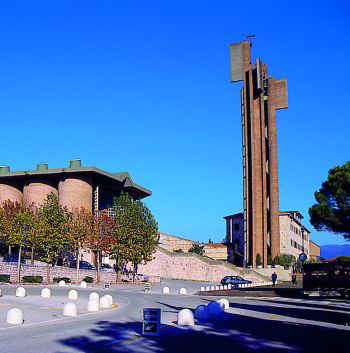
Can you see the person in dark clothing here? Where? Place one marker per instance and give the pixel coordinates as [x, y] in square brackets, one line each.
[274, 278]
[294, 278]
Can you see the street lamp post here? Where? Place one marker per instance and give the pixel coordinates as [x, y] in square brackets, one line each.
[302, 256]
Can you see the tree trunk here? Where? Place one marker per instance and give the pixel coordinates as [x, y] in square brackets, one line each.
[117, 270]
[48, 273]
[134, 271]
[10, 250]
[78, 264]
[32, 256]
[98, 267]
[19, 264]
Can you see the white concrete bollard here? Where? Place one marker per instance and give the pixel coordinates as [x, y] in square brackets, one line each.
[20, 292]
[0, 293]
[70, 309]
[185, 318]
[202, 289]
[183, 291]
[207, 288]
[110, 298]
[105, 303]
[221, 287]
[62, 283]
[212, 288]
[46, 293]
[94, 296]
[14, 316]
[166, 290]
[240, 286]
[217, 287]
[93, 305]
[226, 287]
[201, 312]
[73, 294]
[230, 286]
[224, 303]
[214, 309]
[83, 284]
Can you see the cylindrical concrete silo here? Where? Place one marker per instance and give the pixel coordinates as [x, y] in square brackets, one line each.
[75, 192]
[9, 190]
[35, 191]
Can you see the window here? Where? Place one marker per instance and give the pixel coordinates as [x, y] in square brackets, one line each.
[236, 226]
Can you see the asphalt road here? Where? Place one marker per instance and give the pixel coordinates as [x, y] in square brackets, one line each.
[265, 325]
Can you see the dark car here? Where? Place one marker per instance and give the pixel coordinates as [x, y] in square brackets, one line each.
[13, 258]
[106, 268]
[84, 265]
[234, 280]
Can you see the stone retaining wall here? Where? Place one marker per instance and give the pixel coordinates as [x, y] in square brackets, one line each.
[190, 266]
[56, 271]
[61, 271]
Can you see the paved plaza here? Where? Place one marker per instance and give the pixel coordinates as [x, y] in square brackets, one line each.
[250, 324]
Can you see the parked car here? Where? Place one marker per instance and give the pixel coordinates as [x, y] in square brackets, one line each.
[106, 268]
[234, 280]
[84, 265]
[13, 258]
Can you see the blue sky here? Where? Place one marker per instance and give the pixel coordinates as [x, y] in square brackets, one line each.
[144, 87]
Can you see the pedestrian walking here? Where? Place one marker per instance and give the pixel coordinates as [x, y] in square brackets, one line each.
[294, 278]
[274, 278]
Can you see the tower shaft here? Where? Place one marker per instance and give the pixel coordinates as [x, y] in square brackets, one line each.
[261, 96]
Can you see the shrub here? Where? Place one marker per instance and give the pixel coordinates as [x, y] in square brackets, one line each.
[287, 260]
[57, 279]
[197, 249]
[5, 278]
[32, 279]
[88, 279]
[276, 260]
[258, 259]
[269, 260]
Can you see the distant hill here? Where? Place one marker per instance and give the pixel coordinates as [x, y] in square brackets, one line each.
[333, 250]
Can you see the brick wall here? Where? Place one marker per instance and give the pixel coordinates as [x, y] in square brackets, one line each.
[315, 250]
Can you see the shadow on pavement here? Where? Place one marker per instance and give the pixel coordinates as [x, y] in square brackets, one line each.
[305, 313]
[331, 306]
[230, 333]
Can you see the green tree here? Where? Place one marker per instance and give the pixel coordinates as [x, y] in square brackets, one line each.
[78, 232]
[100, 237]
[197, 249]
[53, 229]
[18, 224]
[137, 235]
[332, 210]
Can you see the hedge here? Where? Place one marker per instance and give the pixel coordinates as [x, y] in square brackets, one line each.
[5, 278]
[32, 279]
[88, 279]
[57, 279]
